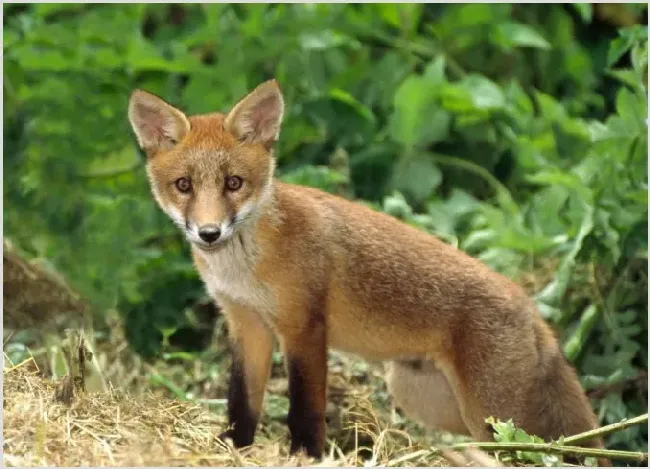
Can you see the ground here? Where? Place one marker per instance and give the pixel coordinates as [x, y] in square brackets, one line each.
[54, 423]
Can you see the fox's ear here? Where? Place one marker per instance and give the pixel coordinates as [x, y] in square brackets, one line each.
[257, 117]
[156, 124]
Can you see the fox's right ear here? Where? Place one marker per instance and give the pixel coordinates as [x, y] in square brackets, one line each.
[157, 125]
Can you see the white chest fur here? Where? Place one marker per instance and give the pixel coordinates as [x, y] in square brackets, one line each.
[230, 273]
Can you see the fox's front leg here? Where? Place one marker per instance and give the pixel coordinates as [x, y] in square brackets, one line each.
[305, 347]
[252, 347]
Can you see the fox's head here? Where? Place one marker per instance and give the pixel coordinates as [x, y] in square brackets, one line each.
[210, 173]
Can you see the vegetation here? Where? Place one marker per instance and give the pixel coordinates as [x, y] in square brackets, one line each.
[517, 133]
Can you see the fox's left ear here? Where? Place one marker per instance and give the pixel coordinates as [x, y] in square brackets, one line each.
[258, 116]
[156, 124]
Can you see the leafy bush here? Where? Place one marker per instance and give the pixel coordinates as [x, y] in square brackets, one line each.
[516, 132]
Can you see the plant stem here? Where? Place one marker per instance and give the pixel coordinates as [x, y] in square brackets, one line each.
[557, 449]
[606, 430]
[565, 448]
[416, 48]
[504, 198]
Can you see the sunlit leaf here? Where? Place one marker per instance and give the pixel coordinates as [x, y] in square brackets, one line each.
[519, 35]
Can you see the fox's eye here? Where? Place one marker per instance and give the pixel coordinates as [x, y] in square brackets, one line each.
[183, 184]
[233, 183]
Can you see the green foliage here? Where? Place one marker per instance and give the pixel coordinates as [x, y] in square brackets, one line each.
[507, 432]
[516, 132]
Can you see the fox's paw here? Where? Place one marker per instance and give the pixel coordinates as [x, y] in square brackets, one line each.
[238, 439]
[307, 434]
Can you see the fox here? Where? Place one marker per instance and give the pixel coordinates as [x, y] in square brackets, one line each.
[312, 271]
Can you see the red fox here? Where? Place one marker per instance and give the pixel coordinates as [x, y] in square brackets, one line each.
[462, 342]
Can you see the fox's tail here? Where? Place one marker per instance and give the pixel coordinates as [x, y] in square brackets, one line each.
[561, 407]
[553, 404]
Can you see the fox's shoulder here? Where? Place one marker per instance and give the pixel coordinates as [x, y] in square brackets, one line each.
[300, 209]
[292, 195]
[307, 211]
[331, 208]
[312, 207]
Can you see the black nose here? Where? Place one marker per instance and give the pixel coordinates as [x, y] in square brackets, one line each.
[209, 233]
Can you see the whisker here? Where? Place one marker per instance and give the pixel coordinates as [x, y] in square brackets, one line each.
[242, 220]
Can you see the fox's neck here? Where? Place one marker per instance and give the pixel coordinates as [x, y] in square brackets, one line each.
[267, 209]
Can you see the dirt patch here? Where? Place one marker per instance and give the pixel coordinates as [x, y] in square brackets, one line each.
[34, 295]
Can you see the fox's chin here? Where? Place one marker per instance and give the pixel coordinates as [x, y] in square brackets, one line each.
[210, 247]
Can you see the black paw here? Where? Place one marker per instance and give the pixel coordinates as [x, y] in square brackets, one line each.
[311, 449]
[239, 439]
[307, 434]
[227, 435]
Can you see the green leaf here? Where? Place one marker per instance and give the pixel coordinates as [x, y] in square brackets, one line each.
[435, 71]
[144, 55]
[397, 206]
[553, 292]
[557, 177]
[627, 37]
[504, 432]
[327, 39]
[46, 9]
[585, 10]
[345, 97]
[321, 177]
[509, 35]
[403, 16]
[389, 12]
[617, 48]
[32, 58]
[474, 14]
[629, 77]
[456, 98]
[579, 337]
[417, 120]
[640, 58]
[507, 432]
[486, 94]
[632, 110]
[9, 38]
[417, 176]
[518, 98]
[549, 106]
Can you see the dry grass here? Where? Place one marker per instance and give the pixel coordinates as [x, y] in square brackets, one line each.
[116, 429]
[51, 422]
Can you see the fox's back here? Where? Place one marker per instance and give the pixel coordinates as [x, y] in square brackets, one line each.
[386, 279]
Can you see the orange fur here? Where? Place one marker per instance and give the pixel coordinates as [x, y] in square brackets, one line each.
[316, 270]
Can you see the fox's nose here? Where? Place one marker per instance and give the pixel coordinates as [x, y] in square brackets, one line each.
[209, 233]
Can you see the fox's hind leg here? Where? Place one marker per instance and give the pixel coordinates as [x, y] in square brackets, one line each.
[424, 394]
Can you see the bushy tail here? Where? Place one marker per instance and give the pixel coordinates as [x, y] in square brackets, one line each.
[563, 408]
